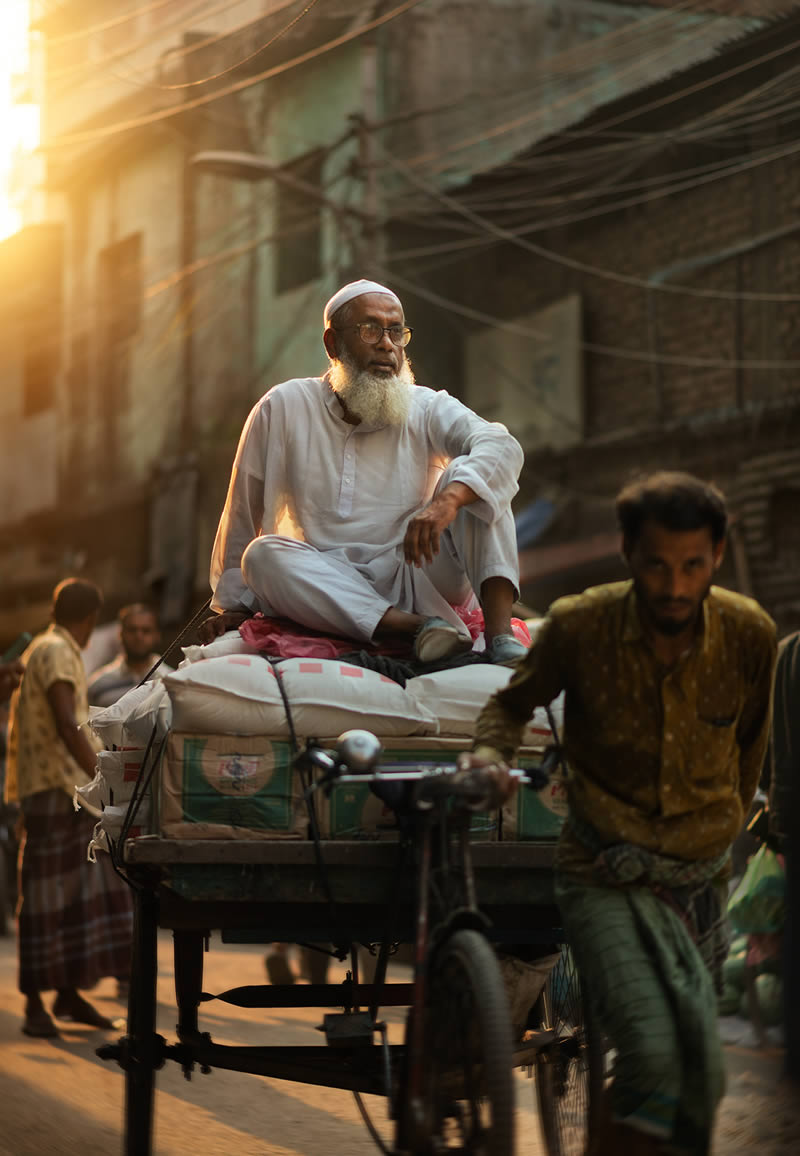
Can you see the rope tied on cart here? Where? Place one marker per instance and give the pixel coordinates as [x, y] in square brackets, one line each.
[308, 792]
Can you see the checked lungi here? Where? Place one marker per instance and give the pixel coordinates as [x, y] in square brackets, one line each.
[647, 933]
[75, 917]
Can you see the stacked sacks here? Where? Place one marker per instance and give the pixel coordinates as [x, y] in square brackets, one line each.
[130, 729]
[457, 697]
[228, 770]
[240, 694]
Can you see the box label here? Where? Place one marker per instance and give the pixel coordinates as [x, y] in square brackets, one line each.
[237, 790]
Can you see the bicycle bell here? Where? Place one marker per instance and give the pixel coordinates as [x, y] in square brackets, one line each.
[359, 750]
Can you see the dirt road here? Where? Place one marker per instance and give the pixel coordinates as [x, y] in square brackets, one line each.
[58, 1099]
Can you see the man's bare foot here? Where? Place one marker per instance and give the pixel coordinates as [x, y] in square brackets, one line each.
[69, 1005]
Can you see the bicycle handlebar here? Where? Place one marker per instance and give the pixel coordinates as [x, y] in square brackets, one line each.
[356, 761]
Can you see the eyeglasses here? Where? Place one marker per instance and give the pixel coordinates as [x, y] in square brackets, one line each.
[372, 333]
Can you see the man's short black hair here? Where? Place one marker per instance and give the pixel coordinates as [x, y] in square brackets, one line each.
[674, 500]
[74, 600]
[133, 609]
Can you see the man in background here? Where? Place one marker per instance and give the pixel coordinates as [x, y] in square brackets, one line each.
[139, 637]
[75, 917]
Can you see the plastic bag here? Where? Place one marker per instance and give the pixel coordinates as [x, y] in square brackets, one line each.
[757, 904]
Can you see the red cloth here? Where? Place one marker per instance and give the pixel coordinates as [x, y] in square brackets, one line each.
[285, 639]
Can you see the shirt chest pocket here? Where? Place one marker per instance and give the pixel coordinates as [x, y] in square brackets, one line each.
[714, 753]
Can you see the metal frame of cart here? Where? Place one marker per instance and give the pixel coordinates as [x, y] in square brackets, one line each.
[265, 891]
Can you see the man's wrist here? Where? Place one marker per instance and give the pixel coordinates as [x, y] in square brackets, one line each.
[489, 754]
[457, 494]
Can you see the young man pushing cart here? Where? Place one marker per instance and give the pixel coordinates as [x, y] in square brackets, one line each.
[667, 709]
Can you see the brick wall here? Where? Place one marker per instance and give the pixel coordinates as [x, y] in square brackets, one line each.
[716, 420]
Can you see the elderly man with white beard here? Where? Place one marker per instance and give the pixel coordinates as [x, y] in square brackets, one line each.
[399, 499]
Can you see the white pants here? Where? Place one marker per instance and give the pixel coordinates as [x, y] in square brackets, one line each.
[336, 594]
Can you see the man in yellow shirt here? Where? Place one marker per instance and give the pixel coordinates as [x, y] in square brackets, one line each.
[75, 917]
[667, 684]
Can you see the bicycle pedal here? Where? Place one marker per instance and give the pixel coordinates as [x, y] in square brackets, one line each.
[347, 1029]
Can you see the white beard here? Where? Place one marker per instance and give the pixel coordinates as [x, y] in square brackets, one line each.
[375, 399]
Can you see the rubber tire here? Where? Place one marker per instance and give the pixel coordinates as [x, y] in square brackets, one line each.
[562, 1005]
[467, 952]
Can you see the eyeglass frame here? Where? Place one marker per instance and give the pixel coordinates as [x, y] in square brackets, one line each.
[385, 329]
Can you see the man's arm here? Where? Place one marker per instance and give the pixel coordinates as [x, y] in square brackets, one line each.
[500, 725]
[752, 732]
[240, 522]
[61, 697]
[421, 542]
[487, 459]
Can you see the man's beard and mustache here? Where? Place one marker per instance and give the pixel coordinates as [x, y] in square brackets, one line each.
[669, 624]
[376, 399]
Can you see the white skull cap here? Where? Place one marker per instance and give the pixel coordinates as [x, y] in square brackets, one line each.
[355, 289]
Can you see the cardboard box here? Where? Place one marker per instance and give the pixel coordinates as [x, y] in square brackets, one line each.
[533, 815]
[230, 787]
[353, 811]
[244, 787]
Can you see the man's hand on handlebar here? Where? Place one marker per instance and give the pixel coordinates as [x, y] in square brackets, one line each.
[490, 774]
[219, 623]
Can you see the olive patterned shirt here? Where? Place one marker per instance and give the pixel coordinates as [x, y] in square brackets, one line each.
[665, 758]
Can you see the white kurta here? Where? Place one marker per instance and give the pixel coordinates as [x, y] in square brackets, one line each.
[350, 492]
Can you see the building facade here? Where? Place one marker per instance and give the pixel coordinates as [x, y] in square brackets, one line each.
[213, 172]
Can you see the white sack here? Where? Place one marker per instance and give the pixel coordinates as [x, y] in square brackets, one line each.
[110, 824]
[129, 721]
[456, 697]
[231, 642]
[239, 694]
[113, 817]
[328, 696]
[120, 770]
[153, 711]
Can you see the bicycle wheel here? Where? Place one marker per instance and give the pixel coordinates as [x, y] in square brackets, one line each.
[468, 1089]
[570, 1074]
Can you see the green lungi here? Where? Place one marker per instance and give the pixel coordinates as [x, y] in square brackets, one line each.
[654, 999]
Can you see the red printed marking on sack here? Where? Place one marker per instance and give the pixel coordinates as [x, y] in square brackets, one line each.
[310, 668]
[351, 671]
[237, 660]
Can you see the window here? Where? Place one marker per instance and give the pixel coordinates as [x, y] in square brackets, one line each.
[120, 288]
[299, 225]
[39, 361]
[119, 312]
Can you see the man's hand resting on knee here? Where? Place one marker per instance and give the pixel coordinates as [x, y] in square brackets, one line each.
[421, 542]
[219, 623]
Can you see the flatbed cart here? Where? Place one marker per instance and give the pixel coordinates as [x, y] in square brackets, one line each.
[450, 1084]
